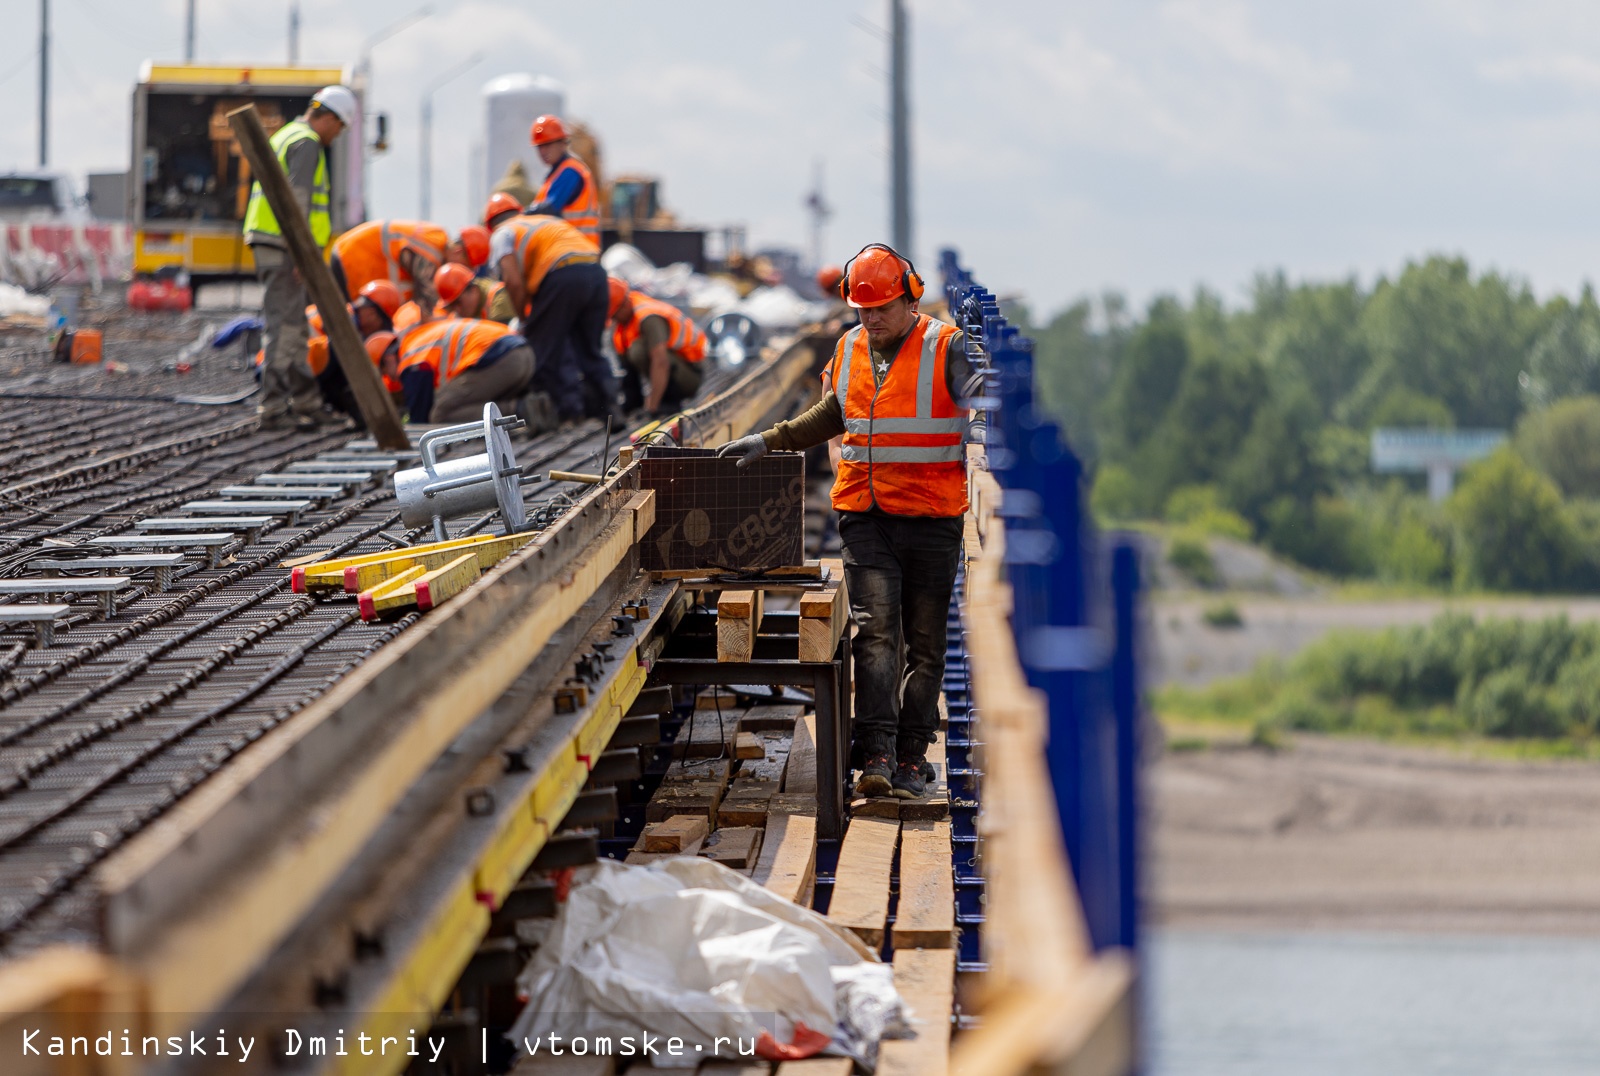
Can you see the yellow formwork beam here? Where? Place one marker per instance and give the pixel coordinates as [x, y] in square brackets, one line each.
[381, 597]
[442, 584]
[491, 551]
[329, 574]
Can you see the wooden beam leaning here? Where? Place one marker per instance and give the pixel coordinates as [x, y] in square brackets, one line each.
[377, 408]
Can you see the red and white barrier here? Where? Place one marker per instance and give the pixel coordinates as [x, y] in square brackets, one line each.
[38, 255]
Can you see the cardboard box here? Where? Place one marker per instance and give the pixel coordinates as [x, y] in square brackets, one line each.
[711, 515]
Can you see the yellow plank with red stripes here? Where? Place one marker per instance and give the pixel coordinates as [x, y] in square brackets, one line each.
[329, 574]
[364, 576]
[381, 597]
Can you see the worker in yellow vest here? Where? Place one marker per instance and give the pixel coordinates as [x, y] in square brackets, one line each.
[894, 390]
[568, 190]
[289, 396]
[553, 276]
[657, 341]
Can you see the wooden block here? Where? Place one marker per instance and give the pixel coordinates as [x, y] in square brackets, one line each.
[652, 700]
[788, 862]
[792, 803]
[746, 746]
[736, 847]
[690, 797]
[875, 807]
[774, 760]
[801, 775]
[746, 803]
[925, 979]
[706, 735]
[644, 859]
[738, 620]
[776, 716]
[698, 769]
[818, 605]
[926, 917]
[643, 507]
[823, 616]
[861, 881]
[677, 832]
[817, 1066]
[711, 699]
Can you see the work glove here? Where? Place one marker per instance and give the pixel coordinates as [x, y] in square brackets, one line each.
[748, 449]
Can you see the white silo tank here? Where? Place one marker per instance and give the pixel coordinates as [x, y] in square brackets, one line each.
[510, 105]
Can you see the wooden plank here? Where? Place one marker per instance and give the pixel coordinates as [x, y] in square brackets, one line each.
[698, 769]
[398, 591]
[771, 717]
[801, 775]
[675, 834]
[788, 862]
[707, 734]
[710, 700]
[376, 406]
[793, 803]
[861, 882]
[774, 760]
[746, 803]
[823, 617]
[736, 847]
[926, 915]
[1084, 1026]
[876, 807]
[738, 620]
[643, 506]
[700, 798]
[926, 980]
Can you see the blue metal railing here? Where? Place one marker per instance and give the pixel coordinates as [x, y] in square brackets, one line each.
[1074, 614]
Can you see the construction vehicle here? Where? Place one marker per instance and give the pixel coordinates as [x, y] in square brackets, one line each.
[189, 183]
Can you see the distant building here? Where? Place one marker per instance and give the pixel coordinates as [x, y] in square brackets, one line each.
[1438, 453]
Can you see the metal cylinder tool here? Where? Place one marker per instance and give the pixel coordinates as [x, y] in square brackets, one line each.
[439, 491]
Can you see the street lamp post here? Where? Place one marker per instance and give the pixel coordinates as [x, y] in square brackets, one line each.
[425, 143]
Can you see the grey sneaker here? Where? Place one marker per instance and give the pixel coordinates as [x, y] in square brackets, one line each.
[909, 782]
[875, 778]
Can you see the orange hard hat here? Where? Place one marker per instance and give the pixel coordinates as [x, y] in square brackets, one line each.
[619, 292]
[314, 318]
[499, 202]
[383, 295]
[547, 129]
[475, 241]
[828, 278]
[450, 280]
[878, 275]
[378, 343]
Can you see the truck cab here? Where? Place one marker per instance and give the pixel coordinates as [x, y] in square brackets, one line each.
[189, 182]
[39, 198]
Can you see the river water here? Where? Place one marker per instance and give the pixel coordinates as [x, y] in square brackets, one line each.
[1313, 1004]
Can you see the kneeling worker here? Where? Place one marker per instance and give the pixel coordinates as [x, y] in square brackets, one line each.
[462, 295]
[449, 369]
[892, 389]
[658, 341]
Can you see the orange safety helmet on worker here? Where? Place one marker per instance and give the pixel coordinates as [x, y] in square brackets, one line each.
[902, 447]
[686, 339]
[373, 251]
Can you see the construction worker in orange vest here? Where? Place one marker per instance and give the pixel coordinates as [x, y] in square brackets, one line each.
[553, 276]
[655, 340]
[894, 389]
[403, 252]
[448, 369]
[568, 191]
[462, 295]
[470, 247]
[373, 311]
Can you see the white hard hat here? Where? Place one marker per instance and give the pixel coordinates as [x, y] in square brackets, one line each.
[338, 100]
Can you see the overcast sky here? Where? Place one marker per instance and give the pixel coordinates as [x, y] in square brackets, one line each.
[1063, 147]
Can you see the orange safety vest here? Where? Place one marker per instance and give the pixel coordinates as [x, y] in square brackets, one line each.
[371, 251]
[449, 347]
[902, 442]
[546, 243]
[583, 212]
[686, 339]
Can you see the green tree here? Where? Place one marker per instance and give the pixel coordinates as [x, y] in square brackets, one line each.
[1202, 429]
[1072, 374]
[1565, 360]
[1315, 339]
[1147, 378]
[1513, 531]
[1276, 460]
[1563, 441]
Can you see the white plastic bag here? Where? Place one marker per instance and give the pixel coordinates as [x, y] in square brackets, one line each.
[686, 948]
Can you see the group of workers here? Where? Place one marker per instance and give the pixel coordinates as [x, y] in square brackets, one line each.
[448, 338]
[512, 311]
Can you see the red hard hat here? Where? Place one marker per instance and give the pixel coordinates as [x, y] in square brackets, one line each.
[450, 280]
[828, 278]
[475, 241]
[619, 292]
[383, 295]
[499, 202]
[378, 343]
[547, 129]
[878, 275]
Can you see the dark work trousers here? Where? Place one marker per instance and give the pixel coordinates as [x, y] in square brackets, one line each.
[566, 318]
[900, 571]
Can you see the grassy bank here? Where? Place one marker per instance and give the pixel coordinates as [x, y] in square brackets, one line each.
[1526, 688]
